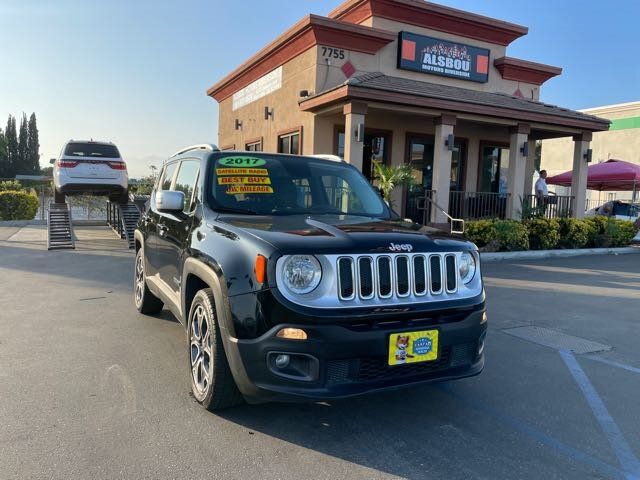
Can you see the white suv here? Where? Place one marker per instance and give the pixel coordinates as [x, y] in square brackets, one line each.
[88, 167]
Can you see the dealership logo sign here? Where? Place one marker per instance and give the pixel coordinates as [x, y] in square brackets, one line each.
[439, 57]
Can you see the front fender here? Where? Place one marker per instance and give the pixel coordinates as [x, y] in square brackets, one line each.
[212, 276]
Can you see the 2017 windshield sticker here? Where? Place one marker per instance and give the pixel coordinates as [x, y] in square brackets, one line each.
[242, 162]
[244, 180]
[240, 189]
[241, 171]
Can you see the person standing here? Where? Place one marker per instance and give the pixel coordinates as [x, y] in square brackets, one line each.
[542, 191]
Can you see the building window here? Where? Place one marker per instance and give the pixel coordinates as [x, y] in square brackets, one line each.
[226, 148]
[253, 145]
[290, 142]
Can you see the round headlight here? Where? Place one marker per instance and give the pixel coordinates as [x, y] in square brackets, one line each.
[301, 273]
[467, 267]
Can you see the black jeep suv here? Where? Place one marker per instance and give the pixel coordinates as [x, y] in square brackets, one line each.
[295, 281]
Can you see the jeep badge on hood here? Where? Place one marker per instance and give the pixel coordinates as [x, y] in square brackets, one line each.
[397, 247]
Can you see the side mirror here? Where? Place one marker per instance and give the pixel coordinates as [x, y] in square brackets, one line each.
[169, 201]
[52, 161]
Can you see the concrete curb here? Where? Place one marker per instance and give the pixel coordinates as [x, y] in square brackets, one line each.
[542, 254]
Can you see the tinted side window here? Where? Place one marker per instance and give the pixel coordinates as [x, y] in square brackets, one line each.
[186, 181]
[167, 176]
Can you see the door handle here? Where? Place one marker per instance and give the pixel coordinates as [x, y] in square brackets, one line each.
[162, 230]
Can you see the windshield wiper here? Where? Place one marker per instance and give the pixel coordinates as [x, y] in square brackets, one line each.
[240, 211]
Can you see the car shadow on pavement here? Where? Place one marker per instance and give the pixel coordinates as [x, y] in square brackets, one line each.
[401, 432]
[416, 432]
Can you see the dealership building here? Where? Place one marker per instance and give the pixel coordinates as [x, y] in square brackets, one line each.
[407, 82]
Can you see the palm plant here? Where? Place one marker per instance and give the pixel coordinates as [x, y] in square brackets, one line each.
[389, 177]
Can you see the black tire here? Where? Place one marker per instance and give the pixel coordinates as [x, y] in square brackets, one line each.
[145, 301]
[58, 197]
[213, 387]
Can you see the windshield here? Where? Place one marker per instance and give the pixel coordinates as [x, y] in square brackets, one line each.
[272, 185]
[81, 149]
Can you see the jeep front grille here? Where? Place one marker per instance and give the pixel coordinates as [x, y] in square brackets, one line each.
[396, 276]
[386, 280]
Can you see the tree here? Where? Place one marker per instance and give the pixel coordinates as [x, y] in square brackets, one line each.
[12, 146]
[389, 177]
[4, 161]
[21, 166]
[33, 147]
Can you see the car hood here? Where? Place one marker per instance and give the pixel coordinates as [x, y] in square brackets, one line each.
[342, 234]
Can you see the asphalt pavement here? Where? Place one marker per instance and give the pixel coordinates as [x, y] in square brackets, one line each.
[90, 389]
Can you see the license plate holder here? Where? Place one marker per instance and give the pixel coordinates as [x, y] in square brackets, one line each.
[413, 347]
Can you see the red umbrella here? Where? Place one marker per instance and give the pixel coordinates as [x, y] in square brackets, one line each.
[612, 175]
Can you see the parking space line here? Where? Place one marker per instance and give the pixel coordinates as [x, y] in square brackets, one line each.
[621, 448]
[613, 363]
[552, 443]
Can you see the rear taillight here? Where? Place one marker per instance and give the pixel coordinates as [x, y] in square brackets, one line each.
[118, 165]
[67, 163]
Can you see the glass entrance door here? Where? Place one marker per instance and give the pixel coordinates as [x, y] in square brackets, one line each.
[494, 165]
[375, 148]
[420, 157]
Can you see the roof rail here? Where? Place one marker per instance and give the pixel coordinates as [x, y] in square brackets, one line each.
[201, 146]
[325, 156]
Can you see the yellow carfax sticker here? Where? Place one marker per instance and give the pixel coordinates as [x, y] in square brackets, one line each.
[412, 347]
[244, 180]
[241, 171]
[238, 189]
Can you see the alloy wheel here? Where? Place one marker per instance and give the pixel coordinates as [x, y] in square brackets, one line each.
[139, 280]
[201, 354]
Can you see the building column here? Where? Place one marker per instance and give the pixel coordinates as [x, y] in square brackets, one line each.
[518, 137]
[530, 168]
[354, 113]
[579, 175]
[442, 167]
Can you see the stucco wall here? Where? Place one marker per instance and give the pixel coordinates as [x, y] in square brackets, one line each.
[298, 74]
[385, 61]
[557, 154]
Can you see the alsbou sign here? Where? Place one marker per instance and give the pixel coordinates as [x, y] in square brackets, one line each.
[424, 54]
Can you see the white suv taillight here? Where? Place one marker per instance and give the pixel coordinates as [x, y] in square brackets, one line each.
[118, 165]
[67, 163]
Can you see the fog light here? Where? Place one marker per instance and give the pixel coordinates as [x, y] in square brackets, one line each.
[484, 317]
[296, 366]
[292, 334]
[282, 361]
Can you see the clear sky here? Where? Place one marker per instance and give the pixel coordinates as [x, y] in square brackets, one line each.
[135, 71]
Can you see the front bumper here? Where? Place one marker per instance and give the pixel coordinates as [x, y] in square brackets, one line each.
[349, 360]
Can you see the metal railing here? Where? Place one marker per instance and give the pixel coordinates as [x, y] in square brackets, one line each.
[456, 225]
[478, 205]
[462, 205]
[553, 206]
